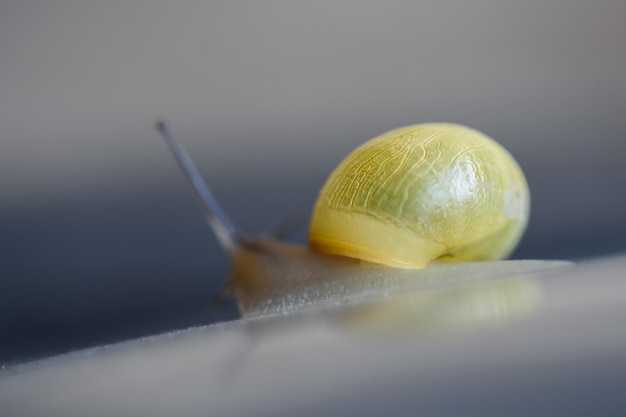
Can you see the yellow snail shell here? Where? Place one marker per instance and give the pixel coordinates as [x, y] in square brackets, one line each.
[423, 192]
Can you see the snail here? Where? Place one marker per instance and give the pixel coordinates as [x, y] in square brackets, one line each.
[406, 207]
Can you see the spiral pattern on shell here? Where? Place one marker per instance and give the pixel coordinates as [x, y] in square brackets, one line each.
[423, 192]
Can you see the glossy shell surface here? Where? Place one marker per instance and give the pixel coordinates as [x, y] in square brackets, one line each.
[420, 193]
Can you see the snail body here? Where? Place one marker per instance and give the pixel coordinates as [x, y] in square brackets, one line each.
[416, 194]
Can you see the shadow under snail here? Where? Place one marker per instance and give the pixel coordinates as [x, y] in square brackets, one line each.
[427, 195]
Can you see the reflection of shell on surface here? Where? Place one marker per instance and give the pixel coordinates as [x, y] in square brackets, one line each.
[423, 192]
[479, 304]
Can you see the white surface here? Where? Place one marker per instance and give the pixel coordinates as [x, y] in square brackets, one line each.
[553, 345]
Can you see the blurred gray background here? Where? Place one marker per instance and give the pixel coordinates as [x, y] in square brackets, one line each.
[100, 238]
